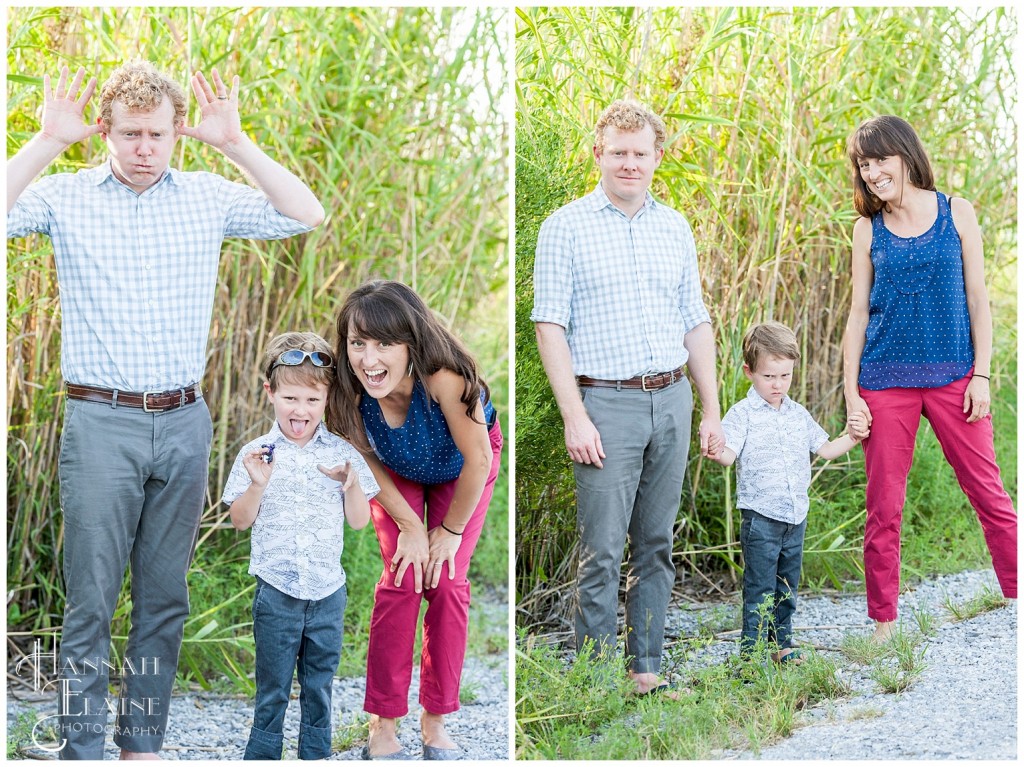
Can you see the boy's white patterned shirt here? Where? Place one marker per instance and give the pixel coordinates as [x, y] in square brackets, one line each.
[773, 454]
[138, 272]
[298, 535]
[626, 290]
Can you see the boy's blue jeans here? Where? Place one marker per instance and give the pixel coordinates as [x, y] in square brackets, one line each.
[294, 634]
[772, 554]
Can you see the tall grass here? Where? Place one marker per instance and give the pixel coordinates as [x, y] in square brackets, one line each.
[759, 102]
[394, 118]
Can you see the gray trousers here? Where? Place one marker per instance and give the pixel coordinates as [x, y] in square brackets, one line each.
[132, 489]
[634, 499]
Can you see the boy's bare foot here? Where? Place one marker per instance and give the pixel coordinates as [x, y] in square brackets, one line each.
[648, 683]
[884, 631]
[789, 655]
[138, 755]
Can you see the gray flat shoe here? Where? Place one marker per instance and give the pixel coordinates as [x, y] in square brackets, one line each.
[400, 754]
[433, 753]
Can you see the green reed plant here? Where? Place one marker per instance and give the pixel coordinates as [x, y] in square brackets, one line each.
[394, 118]
[759, 102]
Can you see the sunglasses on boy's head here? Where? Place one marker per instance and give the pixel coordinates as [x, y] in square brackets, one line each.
[293, 357]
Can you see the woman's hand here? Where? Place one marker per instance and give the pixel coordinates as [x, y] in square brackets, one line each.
[410, 551]
[977, 399]
[858, 427]
[443, 546]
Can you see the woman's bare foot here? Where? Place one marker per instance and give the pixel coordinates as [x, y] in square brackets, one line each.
[433, 732]
[884, 631]
[383, 739]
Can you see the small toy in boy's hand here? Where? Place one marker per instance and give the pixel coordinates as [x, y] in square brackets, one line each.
[268, 457]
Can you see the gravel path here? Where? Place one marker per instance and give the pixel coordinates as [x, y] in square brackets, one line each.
[206, 726]
[963, 706]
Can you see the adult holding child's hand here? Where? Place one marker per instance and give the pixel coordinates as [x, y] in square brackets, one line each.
[918, 342]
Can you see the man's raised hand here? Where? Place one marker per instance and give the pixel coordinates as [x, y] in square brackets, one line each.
[64, 109]
[221, 124]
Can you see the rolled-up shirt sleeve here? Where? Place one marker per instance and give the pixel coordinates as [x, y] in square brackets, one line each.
[552, 272]
[33, 211]
[251, 215]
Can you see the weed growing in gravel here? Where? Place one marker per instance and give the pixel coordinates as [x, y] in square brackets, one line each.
[926, 621]
[983, 602]
[350, 733]
[893, 665]
[469, 692]
[559, 705]
[861, 649]
[25, 733]
[891, 678]
[717, 619]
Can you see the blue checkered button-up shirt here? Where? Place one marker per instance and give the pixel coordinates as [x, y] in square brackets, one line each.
[138, 272]
[626, 290]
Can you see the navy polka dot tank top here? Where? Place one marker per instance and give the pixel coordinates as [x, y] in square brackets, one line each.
[919, 331]
[422, 448]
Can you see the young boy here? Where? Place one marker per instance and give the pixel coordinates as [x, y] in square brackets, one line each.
[281, 486]
[772, 437]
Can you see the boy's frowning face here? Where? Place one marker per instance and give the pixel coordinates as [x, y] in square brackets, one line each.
[772, 378]
[298, 408]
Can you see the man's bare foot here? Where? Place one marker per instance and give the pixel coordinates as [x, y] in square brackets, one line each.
[138, 755]
[648, 682]
[884, 631]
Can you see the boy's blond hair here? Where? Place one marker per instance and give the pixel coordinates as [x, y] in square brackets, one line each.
[306, 374]
[769, 339]
[628, 116]
[140, 88]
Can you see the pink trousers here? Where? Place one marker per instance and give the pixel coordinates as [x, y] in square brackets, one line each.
[396, 609]
[889, 451]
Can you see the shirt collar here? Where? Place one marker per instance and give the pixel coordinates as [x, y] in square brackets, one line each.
[756, 400]
[105, 171]
[599, 199]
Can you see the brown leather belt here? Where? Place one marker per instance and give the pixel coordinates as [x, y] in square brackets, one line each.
[150, 401]
[649, 382]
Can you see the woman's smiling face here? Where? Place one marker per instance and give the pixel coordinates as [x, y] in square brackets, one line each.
[380, 366]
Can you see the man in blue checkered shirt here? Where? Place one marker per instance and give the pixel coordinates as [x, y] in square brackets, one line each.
[137, 245]
[619, 314]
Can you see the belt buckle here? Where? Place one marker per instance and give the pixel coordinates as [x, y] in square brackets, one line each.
[145, 402]
[643, 381]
